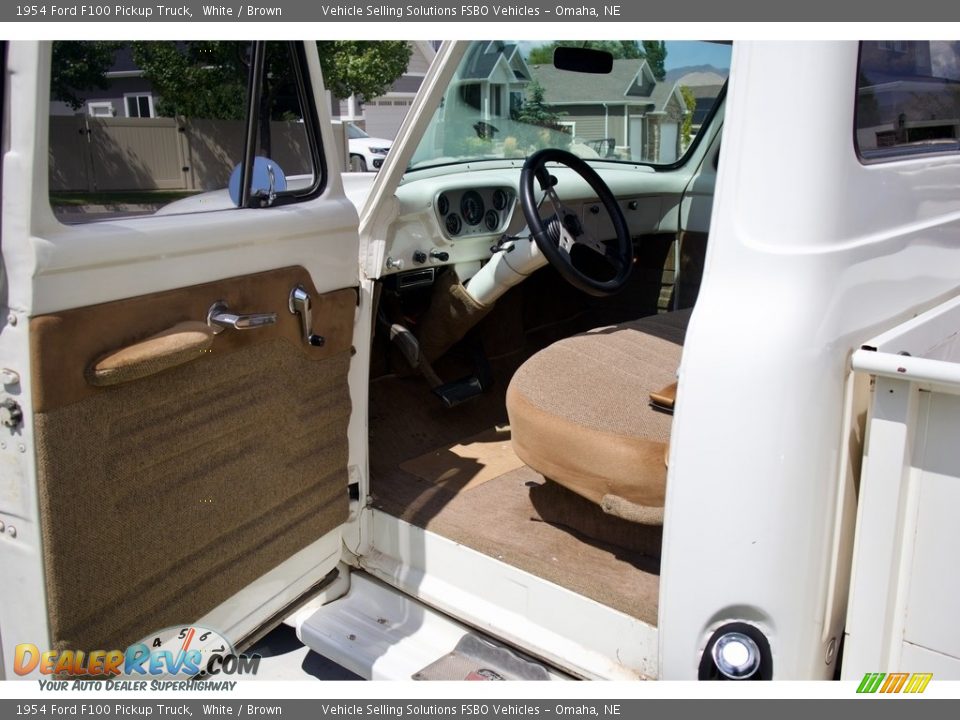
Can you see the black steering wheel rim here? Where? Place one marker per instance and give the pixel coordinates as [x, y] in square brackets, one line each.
[533, 175]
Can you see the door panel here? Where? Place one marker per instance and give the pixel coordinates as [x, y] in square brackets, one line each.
[161, 496]
[212, 488]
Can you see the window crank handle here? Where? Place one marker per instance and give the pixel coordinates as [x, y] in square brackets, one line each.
[300, 304]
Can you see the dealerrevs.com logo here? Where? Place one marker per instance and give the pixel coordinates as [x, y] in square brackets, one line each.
[894, 682]
[181, 652]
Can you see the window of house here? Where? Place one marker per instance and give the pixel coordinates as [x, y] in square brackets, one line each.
[496, 104]
[908, 99]
[192, 156]
[100, 109]
[139, 105]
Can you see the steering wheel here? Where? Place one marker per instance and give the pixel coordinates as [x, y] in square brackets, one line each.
[595, 267]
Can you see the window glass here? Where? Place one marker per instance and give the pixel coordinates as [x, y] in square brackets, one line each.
[908, 98]
[143, 128]
[508, 99]
[355, 133]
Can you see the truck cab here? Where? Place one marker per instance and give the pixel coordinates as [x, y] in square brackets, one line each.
[632, 361]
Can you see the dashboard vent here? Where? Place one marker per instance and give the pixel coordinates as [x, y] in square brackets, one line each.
[416, 278]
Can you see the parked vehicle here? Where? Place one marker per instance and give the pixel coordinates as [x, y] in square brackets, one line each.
[521, 407]
[366, 153]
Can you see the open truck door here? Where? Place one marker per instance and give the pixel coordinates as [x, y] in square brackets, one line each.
[176, 395]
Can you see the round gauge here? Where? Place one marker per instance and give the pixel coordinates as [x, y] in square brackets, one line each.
[491, 220]
[501, 198]
[454, 226]
[471, 207]
[443, 204]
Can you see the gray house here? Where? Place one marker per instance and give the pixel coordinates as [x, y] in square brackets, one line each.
[629, 111]
[495, 80]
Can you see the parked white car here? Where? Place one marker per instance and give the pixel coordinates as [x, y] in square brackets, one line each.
[366, 153]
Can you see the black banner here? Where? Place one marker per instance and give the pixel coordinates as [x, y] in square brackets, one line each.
[392, 11]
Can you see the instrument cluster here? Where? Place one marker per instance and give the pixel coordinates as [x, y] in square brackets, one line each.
[470, 212]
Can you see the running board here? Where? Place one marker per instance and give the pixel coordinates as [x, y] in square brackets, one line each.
[380, 634]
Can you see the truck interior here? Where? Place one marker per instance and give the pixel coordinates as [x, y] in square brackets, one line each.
[535, 427]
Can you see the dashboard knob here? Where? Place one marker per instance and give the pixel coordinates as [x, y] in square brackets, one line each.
[394, 264]
[439, 255]
[419, 257]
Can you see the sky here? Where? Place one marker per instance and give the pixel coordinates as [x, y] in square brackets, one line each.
[681, 53]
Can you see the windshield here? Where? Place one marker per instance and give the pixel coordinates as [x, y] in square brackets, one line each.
[508, 100]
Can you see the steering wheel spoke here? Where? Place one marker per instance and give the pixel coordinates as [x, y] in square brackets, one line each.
[558, 234]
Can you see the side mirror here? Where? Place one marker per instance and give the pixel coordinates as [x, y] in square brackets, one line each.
[268, 180]
[583, 60]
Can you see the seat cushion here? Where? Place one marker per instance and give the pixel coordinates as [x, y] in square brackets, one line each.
[580, 411]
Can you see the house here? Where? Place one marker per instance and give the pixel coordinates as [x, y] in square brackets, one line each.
[495, 79]
[629, 106]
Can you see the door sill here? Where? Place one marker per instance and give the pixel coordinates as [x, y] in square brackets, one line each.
[380, 633]
[521, 609]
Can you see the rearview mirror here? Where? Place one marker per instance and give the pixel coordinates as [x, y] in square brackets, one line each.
[582, 60]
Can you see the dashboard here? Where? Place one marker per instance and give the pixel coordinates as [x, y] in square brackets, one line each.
[457, 218]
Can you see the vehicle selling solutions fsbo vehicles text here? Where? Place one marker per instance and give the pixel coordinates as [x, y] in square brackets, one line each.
[401, 11]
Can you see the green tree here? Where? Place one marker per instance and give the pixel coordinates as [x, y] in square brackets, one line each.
[209, 79]
[543, 54]
[206, 79]
[366, 68]
[537, 123]
[534, 109]
[79, 67]
[691, 102]
[655, 51]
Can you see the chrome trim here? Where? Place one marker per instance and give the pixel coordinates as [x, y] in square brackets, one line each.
[220, 318]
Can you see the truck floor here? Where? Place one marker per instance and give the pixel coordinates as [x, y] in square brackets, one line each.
[498, 515]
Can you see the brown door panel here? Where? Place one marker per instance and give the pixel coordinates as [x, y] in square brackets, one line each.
[163, 496]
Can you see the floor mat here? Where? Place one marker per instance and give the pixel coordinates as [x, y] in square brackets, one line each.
[476, 659]
[467, 464]
[498, 519]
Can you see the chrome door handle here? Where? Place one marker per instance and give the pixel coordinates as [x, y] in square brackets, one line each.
[300, 304]
[220, 318]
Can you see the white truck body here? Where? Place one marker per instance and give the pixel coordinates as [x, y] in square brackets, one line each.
[786, 452]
